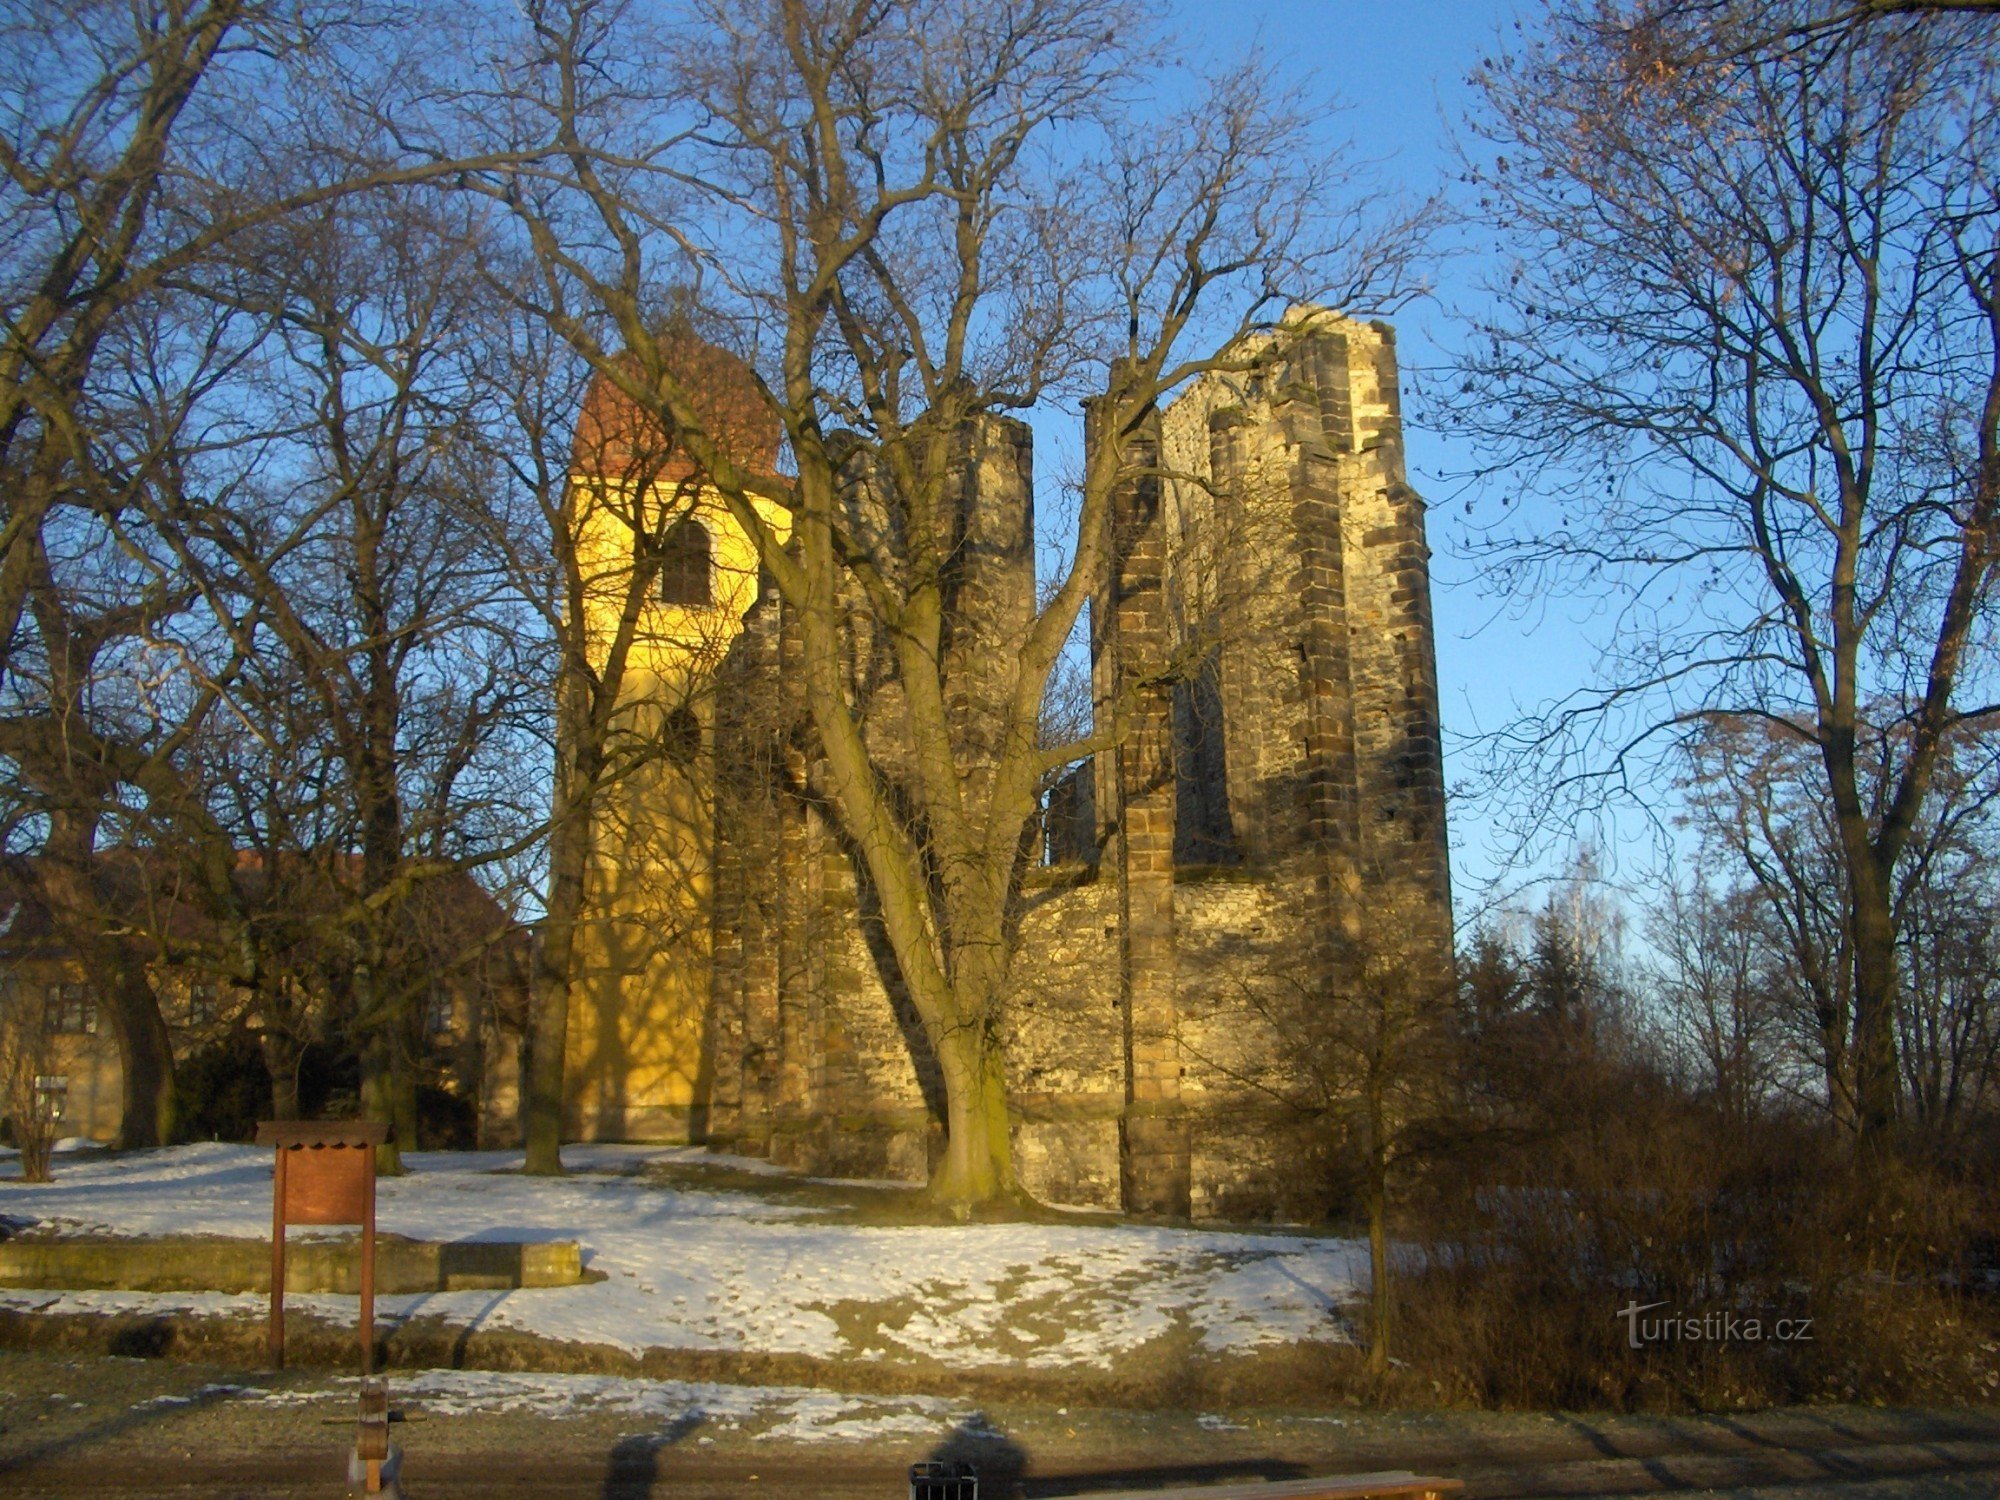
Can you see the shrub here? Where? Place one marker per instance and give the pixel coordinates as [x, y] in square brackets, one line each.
[224, 1089]
[1716, 1226]
[445, 1122]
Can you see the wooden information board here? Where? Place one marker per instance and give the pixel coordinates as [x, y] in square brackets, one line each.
[325, 1174]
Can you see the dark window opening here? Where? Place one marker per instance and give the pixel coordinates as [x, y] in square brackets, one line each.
[1203, 826]
[684, 568]
[682, 735]
[1069, 818]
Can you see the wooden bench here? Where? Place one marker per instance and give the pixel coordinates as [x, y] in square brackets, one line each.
[1399, 1483]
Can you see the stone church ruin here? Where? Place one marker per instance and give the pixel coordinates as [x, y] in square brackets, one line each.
[1275, 801]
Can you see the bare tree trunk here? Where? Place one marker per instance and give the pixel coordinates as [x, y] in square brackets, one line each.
[548, 1042]
[555, 973]
[1381, 1290]
[374, 1046]
[978, 1161]
[35, 1156]
[555, 952]
[150, 1102]
[26, 1049]
[1381, 1293]
[1876, 1080]
[382, 999]
[281, 1061]
[403, 1114]
[1870, 860]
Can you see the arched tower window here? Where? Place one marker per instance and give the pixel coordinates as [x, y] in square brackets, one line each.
[681, 735]
[684, 565]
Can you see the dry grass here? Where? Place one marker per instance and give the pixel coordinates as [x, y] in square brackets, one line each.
[1731, 1227]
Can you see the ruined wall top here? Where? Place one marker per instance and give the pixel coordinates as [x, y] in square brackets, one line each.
[1275, 359]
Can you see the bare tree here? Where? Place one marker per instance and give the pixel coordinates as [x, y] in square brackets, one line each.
[1683, 29]
[27, 1061]
[1749, 349]
[1949, 1030]
[1751, 806]
[920, 218]
[347, 570]
[1756, 807]
[1367, 1064]
[1712, 980]
[137, 144]
[92, 714]
[166, 130]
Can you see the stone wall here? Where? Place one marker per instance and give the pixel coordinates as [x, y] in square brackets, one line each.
[1261, 641]
[1065, 1041]
[1236, 1003]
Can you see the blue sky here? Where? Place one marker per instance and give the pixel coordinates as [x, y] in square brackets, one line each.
[1400, 71]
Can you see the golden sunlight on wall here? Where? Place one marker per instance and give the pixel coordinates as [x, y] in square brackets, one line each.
[637, 1036]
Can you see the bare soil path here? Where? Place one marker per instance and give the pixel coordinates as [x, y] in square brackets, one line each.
[75, 1425]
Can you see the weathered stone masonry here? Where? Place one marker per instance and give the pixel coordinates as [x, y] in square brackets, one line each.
[1262, 637]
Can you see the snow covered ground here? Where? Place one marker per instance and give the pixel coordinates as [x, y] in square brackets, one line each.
[717, 1270]
[667, 1408]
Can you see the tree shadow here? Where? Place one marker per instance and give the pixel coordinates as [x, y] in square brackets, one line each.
[1258, 1470]
[1001, 1465]
[157, 1415]
[634, 1465]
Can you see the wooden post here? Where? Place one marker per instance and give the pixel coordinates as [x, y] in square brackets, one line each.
[276, 1338]
[371, 1441]
[368, 1267]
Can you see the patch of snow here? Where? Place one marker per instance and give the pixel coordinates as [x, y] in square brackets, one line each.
[207, 1304]
[674, 1407]
[691, 1268]
[819, 1416]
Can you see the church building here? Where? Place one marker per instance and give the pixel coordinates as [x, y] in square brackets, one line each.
[1209, 899]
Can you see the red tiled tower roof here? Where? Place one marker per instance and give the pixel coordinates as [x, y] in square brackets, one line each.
[616, 437]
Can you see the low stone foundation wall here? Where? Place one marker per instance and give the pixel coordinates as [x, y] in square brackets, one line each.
[204, 1263]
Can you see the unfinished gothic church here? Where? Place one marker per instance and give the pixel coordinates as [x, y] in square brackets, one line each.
[1206, 899]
